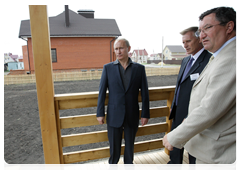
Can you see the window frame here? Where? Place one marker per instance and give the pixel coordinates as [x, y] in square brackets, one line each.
[54, 49]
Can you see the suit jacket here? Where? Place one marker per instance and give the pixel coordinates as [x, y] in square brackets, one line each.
[123, 104]
[186, 87]
[210, 128]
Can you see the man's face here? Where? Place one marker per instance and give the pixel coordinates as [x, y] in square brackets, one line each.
[121, 50]
[191, 43]
[213, 35]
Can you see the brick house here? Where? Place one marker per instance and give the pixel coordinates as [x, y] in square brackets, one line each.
[78, 41]
[174, 52]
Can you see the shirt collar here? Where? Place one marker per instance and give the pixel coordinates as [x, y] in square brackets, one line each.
[226, 43]
[197, 54]
[129, 61]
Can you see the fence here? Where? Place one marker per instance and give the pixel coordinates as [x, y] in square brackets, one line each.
[82, 75]
[83, 100]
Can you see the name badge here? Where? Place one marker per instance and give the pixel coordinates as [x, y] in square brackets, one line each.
[194, 76]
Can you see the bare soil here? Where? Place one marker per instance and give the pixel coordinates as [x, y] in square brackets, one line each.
[22, 132]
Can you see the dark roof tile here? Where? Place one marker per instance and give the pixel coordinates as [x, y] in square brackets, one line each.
[79, 26]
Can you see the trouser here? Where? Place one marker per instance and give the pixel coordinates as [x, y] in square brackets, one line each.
[115, 141]
[205, 166]
[176, 157]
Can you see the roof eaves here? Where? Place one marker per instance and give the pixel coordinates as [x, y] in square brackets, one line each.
[77, 35]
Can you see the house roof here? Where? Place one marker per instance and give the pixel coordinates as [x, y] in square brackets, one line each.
[176, 48]
[79, 26]
[140, 52]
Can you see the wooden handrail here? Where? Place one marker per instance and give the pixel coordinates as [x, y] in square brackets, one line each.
[82, 100]
[101, 136]
[89, 120]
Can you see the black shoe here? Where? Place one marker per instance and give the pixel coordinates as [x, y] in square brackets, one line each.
[165, 167]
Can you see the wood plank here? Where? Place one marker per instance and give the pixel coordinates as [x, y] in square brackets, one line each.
[101, 136]
[89, 99]
[59, 132]
[121, 164]
[86, 95]
[44, 82]
[148, 158]
[185, 157]
[159, 158]
[82, 101]
[164, 156]
[89, 120]
[142, 159]
[99, 153]
[155, 160]
[79, 121]
[136, 166]
[139, 163]
[152, 129]
[155, 96]
[169, 122]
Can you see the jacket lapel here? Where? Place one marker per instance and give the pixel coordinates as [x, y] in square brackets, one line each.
[182, 69]
[196, 64]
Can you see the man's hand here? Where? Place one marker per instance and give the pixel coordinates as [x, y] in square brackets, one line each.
[167, 144]
[101, 120]
[144, 121]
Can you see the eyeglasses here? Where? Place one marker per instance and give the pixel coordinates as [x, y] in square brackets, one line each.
[205, 30]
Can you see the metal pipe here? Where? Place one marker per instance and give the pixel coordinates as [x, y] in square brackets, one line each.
[28, 55]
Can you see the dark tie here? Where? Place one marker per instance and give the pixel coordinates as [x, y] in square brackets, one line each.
[188, 67]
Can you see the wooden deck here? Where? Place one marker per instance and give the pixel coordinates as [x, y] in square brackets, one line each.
[149, 157]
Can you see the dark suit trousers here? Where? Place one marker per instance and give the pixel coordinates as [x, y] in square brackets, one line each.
[115, 141]
[176, 155]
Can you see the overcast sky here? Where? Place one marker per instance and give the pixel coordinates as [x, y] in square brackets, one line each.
[143, 23]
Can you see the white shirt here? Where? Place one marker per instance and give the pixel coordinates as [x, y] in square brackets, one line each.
[196, 56]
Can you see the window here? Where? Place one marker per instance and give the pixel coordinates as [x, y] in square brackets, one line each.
[54, 55]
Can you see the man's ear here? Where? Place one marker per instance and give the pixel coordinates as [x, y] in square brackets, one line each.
[129, 48]
[230, 26]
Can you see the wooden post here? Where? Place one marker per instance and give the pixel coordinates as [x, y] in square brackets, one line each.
[169, 122]
[44, 81]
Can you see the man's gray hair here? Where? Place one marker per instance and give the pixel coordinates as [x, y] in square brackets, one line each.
[122, 39]
[190, 29]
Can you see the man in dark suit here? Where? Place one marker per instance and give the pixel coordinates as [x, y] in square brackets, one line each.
[190, 70]
[123, 79]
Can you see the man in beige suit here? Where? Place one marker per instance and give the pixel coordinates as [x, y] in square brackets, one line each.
[209, 131]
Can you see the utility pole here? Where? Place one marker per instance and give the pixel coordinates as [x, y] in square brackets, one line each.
[162, 51]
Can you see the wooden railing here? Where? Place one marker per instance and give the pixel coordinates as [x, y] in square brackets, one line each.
[87, 75]
[83, 100]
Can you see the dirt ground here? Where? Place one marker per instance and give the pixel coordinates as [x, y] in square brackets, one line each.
[22, 133]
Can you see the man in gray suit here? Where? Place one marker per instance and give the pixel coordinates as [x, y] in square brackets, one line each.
[190, 70]
[209, 131]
